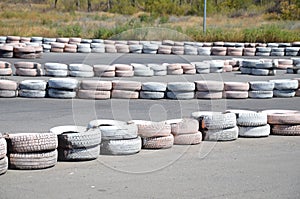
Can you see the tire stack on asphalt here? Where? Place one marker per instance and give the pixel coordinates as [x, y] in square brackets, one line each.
[31, 69]
[292, 51]
[104, 70]
[56, 70]
[284, 122]
[62, 88]
[177, 50]
[204, 51]
[3, 157]
[31, 150]
[284, 87]
[298, 90]
[6, 51]
[76, 143]
[135, 48]
[125, 89]
[94, 89]
[209, 89]
[185, 131]
[252, 124]
[233, 51]
[122, 46]
[13, 39]
[81, 70]
[57, 47]
[263, 51]
[164, 49]
[188, 69]
[97, 48]
[217, 126]
[158, 69]
[263, 69]
[277, 52]
[153, 90]
[181, 90]
[8, 88]
[218, 51]
[124, 70]
[285, 64]
[247, 65]
[32, 88]
[295, 68]
[5, 68]
[216, 66]
[249, 51]
[150, 48]
[142, 70]
[236, 90]
[261, 89]
[174, 69]
[84, 48]
[202, 67]
[190, 50]
[70, 48]
[118, 138]
[155, 135]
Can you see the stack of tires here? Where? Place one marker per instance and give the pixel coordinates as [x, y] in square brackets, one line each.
[155, 135]
[27, 52]
[233, 51]
[5, 68]
[236, 90]
[261, 89]
[216, 66]
[295, 68]
[3, 157]
[32, 88]
[81, 70]
[31, 69]
[181, 90]
[177, 50]
[62, 88]
[142, 70]
[98, 48]
[163, 49]
[292, 51]
[204, 51]
[124, 70]
[188, 69]
[158, 69]
[118, 138]
[135, 48]
[153, 90]
[174, 69]
[122, 47]
[209, 89]
[249, 51]
[284, 87]
[247, 65]
[6, 51]
[56, 69]
[284, 122]
[125, 89]
[94, 89]
[8, 89]
[285, 64]
[202, 67]
[298, 90]
[57, 47]
[32, 150]
[104, 71]
[190, 50]
[70, 48]
[150, 48]
[76, 143]
[185, 131]
[263, 51]
[218, 51]
[110, 48]
[277, 52]
[252, 124]
[84, 48]
[217, 126]
[263, 69]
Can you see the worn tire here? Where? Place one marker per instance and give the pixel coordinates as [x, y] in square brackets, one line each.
[147, 129]
[32, 93]
[33, 85]
[284, 93]
[63, 83]
[8, 93]
[235, 94]
[251, 118]
[216, 120]
[183, 126]
[260, 94]
[56, 93]
[209, 86]
[79, 154]
[3, 165]
[188, 139]
[181, 95]
[3, 148]
[262, 86]
[221, 134]
[209, 94]
[8, 85]
[121, 147]
[254, 131]
[181, 86]
[93, 94]
[122, 94]
[151, 95]
[292, 130]
[154, 86]
[283, 116]
[96, 85]
[158, 142]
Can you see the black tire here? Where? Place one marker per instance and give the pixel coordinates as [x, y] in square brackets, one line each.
[79, 154]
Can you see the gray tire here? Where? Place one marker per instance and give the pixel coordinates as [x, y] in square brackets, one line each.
[181, 86]
[284, 93]
[260, 94]
[63, 83]
[143, 73]
[55, 93]
[255, 131]
[81, 74]
[160, 73]
[181, 95]
[32, 93]
[151, 95]
[79, 154]
[80, 67]
[262, 86]
[8, 93]
[56, 66]
[221, 134]
[209, 85]
[56, 73]
[33, 85]
[251, 118]
[260, 72]
[121, 147]
[285, 84]
[154, 86]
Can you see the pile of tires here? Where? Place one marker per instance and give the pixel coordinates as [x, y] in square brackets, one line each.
[125, 89]
[285, 87]
[252, 124]
[236, 90]
[84, 48]
[181, 90]
[284, 63]
[118, 138]
[202, 67]
[31, 69]
[110, 48]
[3, 157]
[261, 89]
[64, 88]
[209, 89]
[158, 69]
[190, 50]
[249, 52]
[217, 126]
[164, 49]
[28, 52]
[263, 51]
[292, 51]
[188, 69]
[142, 70]
[218, 51]
[150, 48]
[284, 122]
[174, 69]
[177, 50]
[57, 47]
[135, 48]
[76, 143]
[233, 51]
[185, 131]
[8, 88]
[216, 66]
[81, 70]
[124, 70]
[104, 70]
[155, 135]
[5, 68]
[295, 69]
[122, 47]
[263, 69]
[247, 65]
[32, 88]
[153, 90]
[204, 51]
[56, 69]
[94, 89]
[31, 150]
[70, 48]
[6, 51]
[97, 48]
[277, 52]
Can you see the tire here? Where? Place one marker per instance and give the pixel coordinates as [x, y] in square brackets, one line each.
[122, 94]
[55, 93]
[188, 139]
[181, 86]
[56, 73]
[74, 137]
[292, 130]
[148, 129]
[209, 94]
[235, 94]
[183, 126]
[158, 142]
[27, 65]
[246, 71]
[8, 85]
[81, 74]
[27, 161]
[260, 72]
[63, 83]
[215, 120]
[285, 84]
[236, 86]
[175, 72]
[265, 65]
[93, 94]
[6, 71]
[121, 147]
[255, 131]
[79, 154]
[4, 64]
[32, 93]
[221, 134]
[143, 73]
[251, 118]
[160, 73]
[3, 148]
[157, 67]
[209, 86]
[29, 72]
[262, 86]
[31, 142]
[126, 85]
[80, 67]
[181, 95]
[284, 93]
[154, 87]
[3, 165]
[283, 117]
[33, 85]
[56, 66]
[151, 95]
[8, 93]
[260, 94]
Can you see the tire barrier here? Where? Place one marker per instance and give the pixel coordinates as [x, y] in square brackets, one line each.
[5, 68]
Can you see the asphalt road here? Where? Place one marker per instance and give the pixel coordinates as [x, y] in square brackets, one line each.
[245, 168]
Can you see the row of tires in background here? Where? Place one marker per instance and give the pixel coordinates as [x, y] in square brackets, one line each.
[110, 137]
[67, 88]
